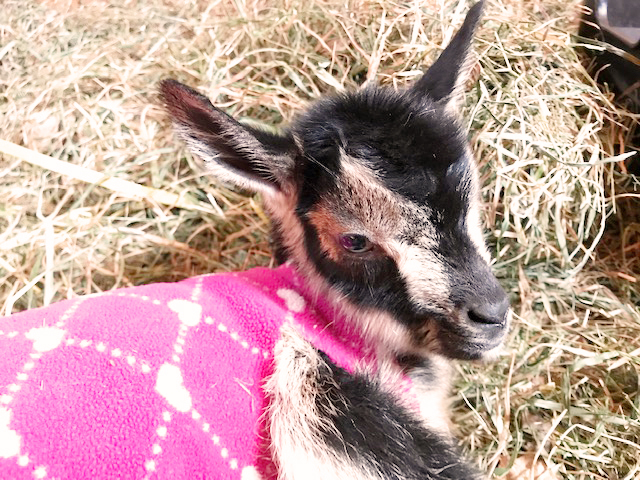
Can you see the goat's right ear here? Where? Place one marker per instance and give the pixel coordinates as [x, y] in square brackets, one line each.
[244, 156]
[445, 79]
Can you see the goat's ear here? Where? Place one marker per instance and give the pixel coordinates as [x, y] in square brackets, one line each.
[445, 79]
[244, 156]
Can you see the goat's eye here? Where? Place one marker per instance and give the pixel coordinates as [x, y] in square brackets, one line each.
[354, 243]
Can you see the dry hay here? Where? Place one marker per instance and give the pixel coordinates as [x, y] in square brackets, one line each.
[78, 82]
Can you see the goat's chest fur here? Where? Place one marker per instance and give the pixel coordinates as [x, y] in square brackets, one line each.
[168, 381]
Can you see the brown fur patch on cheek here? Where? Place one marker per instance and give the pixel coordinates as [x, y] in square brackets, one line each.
[328, 228]
[425, 336]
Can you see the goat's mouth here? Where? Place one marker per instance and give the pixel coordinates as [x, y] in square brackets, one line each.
[455, 337]
[470, 347]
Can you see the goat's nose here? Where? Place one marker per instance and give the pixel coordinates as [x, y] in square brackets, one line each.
[492, 312]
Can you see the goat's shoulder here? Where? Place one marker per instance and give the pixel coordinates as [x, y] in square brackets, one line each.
[329, 422]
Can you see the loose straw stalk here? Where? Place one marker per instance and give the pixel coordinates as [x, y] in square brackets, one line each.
[123, 187]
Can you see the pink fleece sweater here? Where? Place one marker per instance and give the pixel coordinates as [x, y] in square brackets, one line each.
[157, 381]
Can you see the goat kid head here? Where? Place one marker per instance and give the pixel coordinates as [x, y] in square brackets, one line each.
[375, 195]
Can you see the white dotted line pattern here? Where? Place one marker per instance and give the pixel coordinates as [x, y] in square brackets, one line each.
[142, 366]
[237, 338]
[261, 286]
[197, 290]
[68, 314]
[144, 298]
[150, 464]
[156, 449]
[23, 459]
[101, 347]
[22, 376]
[215, 439]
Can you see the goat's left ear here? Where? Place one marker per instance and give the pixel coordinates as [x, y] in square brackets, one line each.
[244, 156]
[445, 79]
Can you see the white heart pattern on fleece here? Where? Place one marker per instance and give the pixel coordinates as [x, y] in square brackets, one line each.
[156, 381]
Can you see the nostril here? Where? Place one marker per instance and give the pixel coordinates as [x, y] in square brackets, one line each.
[478, 318]
[490, 313]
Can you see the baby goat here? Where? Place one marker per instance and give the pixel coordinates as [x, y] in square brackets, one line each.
[374, 199]
[335, 365]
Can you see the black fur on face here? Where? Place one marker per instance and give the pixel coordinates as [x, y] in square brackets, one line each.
[412, 148]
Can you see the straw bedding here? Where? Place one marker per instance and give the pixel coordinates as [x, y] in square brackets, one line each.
[78, 83]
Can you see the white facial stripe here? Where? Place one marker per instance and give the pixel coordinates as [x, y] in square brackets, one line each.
[474, 227]
[424, 274]
[376, 210]
[475, 232]
[354, 169]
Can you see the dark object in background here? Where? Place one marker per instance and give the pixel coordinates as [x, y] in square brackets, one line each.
[617, 23]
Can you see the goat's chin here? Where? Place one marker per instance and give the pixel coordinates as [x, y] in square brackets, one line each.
[472, 351]
[467, 346]
[493, 354]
